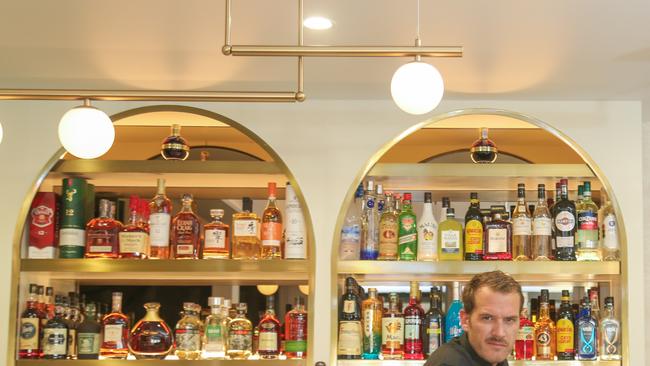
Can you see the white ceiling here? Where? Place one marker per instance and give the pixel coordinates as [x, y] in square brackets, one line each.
[513, 49]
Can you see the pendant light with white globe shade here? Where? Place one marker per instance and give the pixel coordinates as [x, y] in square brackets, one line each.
[86, 132]
[417, 87]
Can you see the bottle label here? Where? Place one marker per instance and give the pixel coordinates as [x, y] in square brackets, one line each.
[349, 306]
[368, 320]
[586, 339]
[113, 333]
[388, 238]
[72, 237]
[542, 226]
[474, 237]
[454, 331]
[295, 346]
[564, 241]
[88, 343]
[349, 338]
[587, 236]
[610, 338]
[215, 238]
[427, 239]
[214, 334]
[159, 224]
[610, 232]
[450, 241]
[245, 228]
[295, 243]
[526, 333]
[55, 341]
[521, 225]
[271, 234]
[268, 342]
[407, 239]
[29, 333]
[133, 242]
[185, 249]
[238, 340]
[565, 221]
[543, 345]
[100, 241]
[407, 223]
[564, 334]
[434, 332]
[350, 242]
[497, 240]
[188, 339]
[392, 335]
[412, 326]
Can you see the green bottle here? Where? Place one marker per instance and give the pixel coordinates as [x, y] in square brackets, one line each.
[450, 238]
[72, 235]
[408, 231]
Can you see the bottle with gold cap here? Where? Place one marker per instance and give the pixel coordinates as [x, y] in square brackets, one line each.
[271, 227]
[174, 147]
[413, 321]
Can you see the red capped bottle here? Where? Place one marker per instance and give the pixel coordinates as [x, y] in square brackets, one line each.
[413, 325]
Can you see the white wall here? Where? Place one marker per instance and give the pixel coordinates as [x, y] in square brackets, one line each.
[327, 144]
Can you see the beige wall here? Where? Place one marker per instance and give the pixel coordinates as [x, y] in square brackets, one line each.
[327, 144]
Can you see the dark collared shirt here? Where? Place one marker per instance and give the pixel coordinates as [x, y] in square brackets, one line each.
[458, 352]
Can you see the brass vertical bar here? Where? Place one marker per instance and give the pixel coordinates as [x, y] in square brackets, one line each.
[228, 22]
[301, 84]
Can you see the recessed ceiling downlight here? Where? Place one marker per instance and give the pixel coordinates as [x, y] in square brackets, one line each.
[317, 23]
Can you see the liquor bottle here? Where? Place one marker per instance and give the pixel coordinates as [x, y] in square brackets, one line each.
[610, 333]
[271, 227]
[497, 238]
[580, 197]
[186, 232]
[558, 197]
[55, 334]
[216, 238]
[542, 228]
[295, 331]
[115, 330]
[188, 333]
[102, 234]
[89, 335]
[474, 230]
[594, 303]
[427, 232]
[30, 327]
[587, 236]
[544, 331]
[408, 231]
[609, 231]
[565, 329]
[72, 232]
[372, 311]
[216, 330]
[525, 342]
[160, 208]
[174, 147]
[351, 232]
[413, 324]
[269, 338]
[134, 240]
[370, 217]
[521, 227]
[586, 332]
[450, 238]
[452, 320]
[49, 303]
[483, 150]
[445, 204]
[392, 330]
[246, 242]
[295, 234]
[73, 323]
[434, 324]
[388, 229]
[350, 337]
[564, 219]
[151, 338]
[534, 309]
[381, 198]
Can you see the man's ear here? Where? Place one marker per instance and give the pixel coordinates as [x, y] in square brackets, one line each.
[464, 320]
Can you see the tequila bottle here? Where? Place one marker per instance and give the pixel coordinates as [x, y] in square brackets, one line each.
[521, 227]
[240, 335]
[564, 220]
[450, 238]
[609, 231]
[188, 333]
[525, 342]
[216, 330]
[388, 229]
[544, 331]
[587, 236]
[408, 231]
[610, 333]
[186, 232]
[565, 329]
[89, 335]
[115, 330]
[102, 233]
[370, 217]
[160, 209]
[350, 338]
[427, 232]
[55, 334]
[271, 227]
[151, 337]
[269, 333]
[246, 243]
[134, 239]
[372, 310]
[413, 322]
[498, 238]
[474, 230]
[586, 333]
[30, 327]
[216, 238]
[295, 234]
[392, 331]
[295, 331]
[542, 231]
[434, 325]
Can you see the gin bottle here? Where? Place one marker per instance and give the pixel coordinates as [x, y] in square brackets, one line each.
[352, 230]
[427, 232]
[587, 236]
[610, 333]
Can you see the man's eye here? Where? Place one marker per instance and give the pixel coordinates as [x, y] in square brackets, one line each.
[510, 320]
[486, 317]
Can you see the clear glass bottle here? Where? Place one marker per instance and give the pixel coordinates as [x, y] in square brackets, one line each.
[388, 229]
[30, 327]
[473, 230]
[216, 237]
[188, 333]
[352, 230]
[587, 234]
[371, 311]
[392, 330]
[370, 217]
[295, 328]
[610, 333]
[609, 242]
[522, 227]
[151, 338]
[408, 231]
[271, 227]
[350, 333]
[89, 334]
[450, 238]
[240, 335]
[295, 233]
[115, 331]
[246, 243]
[544, 331]
[186, 232]
[542, 228]
[427, 232]
[216, 331]
[160, 210]
[269, 333]
[102, 233]
[434, 323]
[134, 239]
[413, 323]
[55, 334]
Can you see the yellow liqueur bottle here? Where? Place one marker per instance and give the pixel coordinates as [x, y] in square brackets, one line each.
[450, 238]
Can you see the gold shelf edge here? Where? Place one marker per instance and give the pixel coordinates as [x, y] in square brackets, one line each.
[164, 166]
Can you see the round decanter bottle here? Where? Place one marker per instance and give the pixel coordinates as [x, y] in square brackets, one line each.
[174, 147]
[151, 338]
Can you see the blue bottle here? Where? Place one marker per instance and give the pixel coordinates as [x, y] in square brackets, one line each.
[586, 333]
[452, 320]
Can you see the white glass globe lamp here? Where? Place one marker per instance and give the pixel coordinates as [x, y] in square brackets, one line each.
[86, 132]
[417, 87]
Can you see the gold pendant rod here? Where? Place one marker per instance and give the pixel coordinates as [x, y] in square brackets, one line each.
[146, 95]
[344, 51]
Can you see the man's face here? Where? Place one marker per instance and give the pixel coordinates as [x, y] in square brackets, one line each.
[492, 327]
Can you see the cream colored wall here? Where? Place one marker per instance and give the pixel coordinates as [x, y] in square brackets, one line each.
[327, 144]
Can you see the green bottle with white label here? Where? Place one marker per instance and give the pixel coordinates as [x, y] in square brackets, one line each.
[408, 231]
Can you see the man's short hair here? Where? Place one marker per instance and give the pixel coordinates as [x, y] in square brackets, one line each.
[495, 281]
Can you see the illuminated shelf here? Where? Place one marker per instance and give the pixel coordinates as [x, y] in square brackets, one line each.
[166, 362]
[76, 167]
[464, 270]
[511, 363]
[161, 272]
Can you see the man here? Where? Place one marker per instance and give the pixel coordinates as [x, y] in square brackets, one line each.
[492, 302]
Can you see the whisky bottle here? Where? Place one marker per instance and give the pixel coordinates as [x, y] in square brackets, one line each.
[392, 330]
[474, 230]
[586, 333]
[89, 335]
[370, 217]
[350, 333]
[371, 310]
[521, 227]
[186, 232]
[160, 208]
[271, 227]
[427, 232]
[295, 328]
[216, 237]
[102, 233]
[174, 147]
[72, 233]
[413, 322]
[564, 220]
[134, 239]
[30, 327]
[295, 234]
[352, 230]
[542, 231]
[565, 329]
[55, 334]
[432, 334]
[587, 234]
[246, 242]
[216, 331]
[74, 316]
[240, 335]
[388, 229]
[408, 231]
[610, 333]
[115, 330]
[450, 238]
[269, 333]
[187, 333]
[544, 331]
[151, 338]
